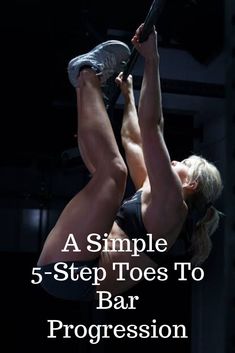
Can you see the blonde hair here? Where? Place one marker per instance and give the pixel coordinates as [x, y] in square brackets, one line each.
[201, 203]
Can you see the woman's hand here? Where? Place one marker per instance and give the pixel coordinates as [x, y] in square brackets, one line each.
[149, 48]
[126, 86]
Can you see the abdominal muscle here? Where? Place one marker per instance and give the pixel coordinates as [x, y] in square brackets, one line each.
[107, 259]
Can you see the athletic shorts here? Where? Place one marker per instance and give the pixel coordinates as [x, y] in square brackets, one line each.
[68, 288]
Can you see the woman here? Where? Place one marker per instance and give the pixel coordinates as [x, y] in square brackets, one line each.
[168, 193]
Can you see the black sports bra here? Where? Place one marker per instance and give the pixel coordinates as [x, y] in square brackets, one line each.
[129, 219]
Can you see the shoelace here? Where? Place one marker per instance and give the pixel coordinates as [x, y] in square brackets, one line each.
[107, 63]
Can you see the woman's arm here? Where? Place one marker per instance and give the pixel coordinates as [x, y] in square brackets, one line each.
[130, 134]
[163, 181]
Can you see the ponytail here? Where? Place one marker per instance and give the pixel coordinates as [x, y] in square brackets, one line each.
[203, 218]
[201, 243]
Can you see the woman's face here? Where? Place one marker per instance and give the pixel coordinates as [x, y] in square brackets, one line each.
[181, 169]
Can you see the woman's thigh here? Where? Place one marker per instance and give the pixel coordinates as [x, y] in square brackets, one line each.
[92, 210]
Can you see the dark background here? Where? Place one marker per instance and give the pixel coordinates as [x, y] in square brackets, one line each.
[38, 115]
[40, 37]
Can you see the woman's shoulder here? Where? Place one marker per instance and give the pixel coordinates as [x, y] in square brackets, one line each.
[164, 216]
[170, 202]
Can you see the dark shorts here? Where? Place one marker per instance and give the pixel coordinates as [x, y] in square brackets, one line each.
[68, 289]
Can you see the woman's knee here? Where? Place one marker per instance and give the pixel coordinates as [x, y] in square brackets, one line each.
[117, 171]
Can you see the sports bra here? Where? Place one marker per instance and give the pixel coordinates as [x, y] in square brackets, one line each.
[129, 219]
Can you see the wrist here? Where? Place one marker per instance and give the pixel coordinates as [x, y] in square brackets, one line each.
[129, 99]
[152, 60]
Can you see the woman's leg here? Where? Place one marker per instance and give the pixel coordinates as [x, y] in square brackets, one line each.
[80, 142]
[93, 209]
[95, 136]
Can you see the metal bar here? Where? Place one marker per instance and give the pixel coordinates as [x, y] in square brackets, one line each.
[150, 20]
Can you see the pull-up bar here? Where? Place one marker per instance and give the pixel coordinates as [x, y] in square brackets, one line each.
[150, 20]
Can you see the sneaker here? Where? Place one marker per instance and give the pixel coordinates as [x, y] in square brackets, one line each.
[105, 59]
